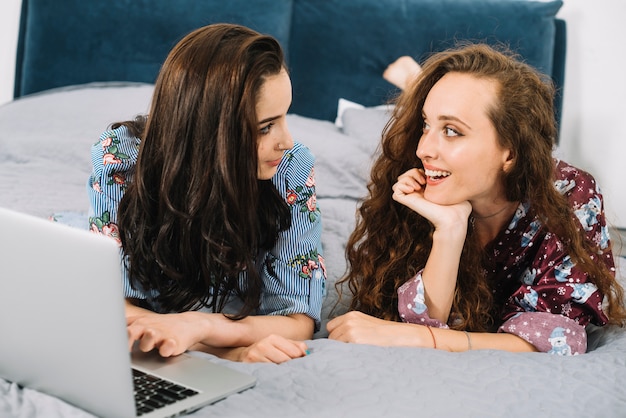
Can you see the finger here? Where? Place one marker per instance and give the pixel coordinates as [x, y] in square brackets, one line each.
[274, 356]
[406, 188]
[338, 335]
[131, 319]
[276, 349]
[135, 334]
[257, 353]
[416, 174]
[332, 324]
[169, 347]
[336, 332]
[131, 341]
[148, 340]
[293, 349]
[286, 351]
[408, 179]
[290, 347]
[335, 322]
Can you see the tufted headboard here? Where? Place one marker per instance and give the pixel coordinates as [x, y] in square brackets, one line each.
[335, 48]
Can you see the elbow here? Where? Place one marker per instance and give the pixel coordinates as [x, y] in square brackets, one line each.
[304, 327]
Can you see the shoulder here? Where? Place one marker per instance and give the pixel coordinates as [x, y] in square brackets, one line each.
[572, 181]
[296, 165]
[584, 196]
[299, 154]
[119, 136]
[116, 147]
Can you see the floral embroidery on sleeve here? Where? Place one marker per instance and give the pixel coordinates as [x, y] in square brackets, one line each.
[103, 225]
[309, 264]
[113, 155]
[110, 147]
[303, 197]
[119, 179]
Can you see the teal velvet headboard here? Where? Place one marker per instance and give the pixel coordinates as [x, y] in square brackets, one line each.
[335, 48]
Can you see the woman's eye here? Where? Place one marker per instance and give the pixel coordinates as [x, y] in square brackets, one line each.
[450, 132]
[425, 127]
[266, 129]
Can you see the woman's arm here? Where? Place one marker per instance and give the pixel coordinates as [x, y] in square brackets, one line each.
[441, 271]
[113, 159]
[450, 222]
[357, 327]
[252, 338]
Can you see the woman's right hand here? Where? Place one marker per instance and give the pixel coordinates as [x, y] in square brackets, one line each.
[450, 223]
[171, 334]
[409, 191]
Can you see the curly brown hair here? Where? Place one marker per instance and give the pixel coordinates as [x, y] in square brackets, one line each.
[391, 242]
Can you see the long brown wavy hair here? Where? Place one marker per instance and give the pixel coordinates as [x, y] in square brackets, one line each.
[391, 242]
[195, 216]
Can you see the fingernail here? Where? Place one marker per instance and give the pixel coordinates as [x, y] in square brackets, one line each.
[307, 352]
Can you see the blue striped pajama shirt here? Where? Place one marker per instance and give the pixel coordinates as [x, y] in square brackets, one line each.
[299, 283]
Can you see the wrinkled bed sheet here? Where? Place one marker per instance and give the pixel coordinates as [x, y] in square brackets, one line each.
[44, 164]
[346, 380]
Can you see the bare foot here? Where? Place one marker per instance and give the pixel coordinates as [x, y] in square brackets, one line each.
[402, 71]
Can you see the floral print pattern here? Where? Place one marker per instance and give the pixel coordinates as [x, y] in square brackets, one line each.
[303, 197]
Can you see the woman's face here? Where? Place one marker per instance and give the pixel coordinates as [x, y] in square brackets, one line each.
[459, 145]
[271, 111]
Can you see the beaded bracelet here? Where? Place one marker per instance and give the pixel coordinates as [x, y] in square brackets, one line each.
[469, 341]
[432, 335]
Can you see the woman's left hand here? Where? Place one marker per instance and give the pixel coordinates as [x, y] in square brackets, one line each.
[273, 349]
[357, 327]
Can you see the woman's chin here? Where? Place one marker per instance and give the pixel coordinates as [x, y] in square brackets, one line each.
[440, 199]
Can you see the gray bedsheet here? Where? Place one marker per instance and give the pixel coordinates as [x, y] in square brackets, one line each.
[44, 163]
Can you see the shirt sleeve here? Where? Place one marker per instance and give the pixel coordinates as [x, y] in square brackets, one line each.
[549, 333]
[113, 160]
[412, 306]
[293, 272]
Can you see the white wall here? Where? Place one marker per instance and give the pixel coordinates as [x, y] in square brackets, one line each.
[592, 133]
[594, 111]
[9, 25]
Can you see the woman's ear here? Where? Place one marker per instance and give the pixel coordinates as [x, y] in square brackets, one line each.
[509, 160]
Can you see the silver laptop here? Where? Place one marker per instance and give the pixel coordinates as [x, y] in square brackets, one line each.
[63, 328]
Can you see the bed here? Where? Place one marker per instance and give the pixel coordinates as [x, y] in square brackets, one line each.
[69, 89]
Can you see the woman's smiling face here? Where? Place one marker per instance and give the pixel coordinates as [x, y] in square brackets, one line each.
[459, 147]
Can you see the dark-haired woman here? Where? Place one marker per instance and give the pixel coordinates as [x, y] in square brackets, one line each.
[214, 205]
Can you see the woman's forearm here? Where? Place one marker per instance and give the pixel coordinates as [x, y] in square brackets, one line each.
[440, 273]
[224, 332]
[451, 340]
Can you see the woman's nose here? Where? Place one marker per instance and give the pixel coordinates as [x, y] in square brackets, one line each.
[289, 139]
[425, 146]
[286, 140]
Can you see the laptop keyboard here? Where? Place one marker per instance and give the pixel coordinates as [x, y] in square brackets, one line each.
[152, 392]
